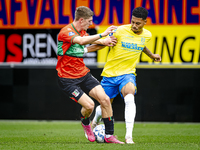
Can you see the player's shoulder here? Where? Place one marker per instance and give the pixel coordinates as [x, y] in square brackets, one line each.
[147, 32]
[67, 30]
[122, 27]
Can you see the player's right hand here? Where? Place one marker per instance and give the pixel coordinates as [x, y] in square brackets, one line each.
[109, 30]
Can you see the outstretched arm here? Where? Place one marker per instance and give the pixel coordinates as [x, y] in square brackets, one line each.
[90, 39]
[94, 47]
[155, 57]
[109, 41]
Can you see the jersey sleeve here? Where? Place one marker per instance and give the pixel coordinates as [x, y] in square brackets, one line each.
[147, 35]
[67, 36]
[150, 36]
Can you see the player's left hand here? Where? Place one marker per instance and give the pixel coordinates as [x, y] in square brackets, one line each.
[110, 41]
[156, 57]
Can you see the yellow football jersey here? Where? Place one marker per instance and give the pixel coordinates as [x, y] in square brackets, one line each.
[122, 57]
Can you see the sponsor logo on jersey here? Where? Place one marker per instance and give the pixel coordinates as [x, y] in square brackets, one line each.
[130, 36]
[131, 46]
[71, 33]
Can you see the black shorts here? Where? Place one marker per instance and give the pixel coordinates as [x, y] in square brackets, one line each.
[74, 88]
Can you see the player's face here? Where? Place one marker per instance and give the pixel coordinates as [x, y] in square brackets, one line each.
[85, 23]
[137, 24]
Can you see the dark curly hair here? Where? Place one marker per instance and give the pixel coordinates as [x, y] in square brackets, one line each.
[140, 12]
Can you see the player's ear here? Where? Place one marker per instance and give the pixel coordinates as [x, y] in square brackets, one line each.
[145, 21]
[80, 20]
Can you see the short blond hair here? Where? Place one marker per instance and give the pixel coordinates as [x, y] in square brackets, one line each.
[83, 12]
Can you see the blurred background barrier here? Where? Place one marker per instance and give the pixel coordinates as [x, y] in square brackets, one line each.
[164, 94]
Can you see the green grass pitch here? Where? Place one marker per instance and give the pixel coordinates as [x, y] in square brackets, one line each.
[60, 135]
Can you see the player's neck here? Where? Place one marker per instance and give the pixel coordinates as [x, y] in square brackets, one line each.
[77, 26]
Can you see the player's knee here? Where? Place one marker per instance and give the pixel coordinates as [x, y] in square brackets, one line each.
[105, 102]
[129, 88]
[129, 92]
[90, 107]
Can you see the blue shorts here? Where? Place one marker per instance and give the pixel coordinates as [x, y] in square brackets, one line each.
[113, 85]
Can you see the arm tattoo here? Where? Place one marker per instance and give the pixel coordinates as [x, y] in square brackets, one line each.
[147, 52]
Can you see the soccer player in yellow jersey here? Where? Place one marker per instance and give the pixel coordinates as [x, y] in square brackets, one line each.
[119, 73]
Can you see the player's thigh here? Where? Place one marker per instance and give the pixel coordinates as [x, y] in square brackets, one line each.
[89, 83]
[99, 94]
[128, 85]
[86, 102]
[110, 87]
[129, 88]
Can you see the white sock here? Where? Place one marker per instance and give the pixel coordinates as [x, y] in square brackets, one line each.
[108, 135]
[98, 114]
[130, 112]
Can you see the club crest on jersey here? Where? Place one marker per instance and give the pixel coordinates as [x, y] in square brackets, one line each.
[71, 33]
[76, 93]
[111, 34]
